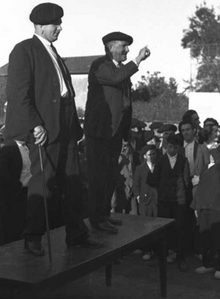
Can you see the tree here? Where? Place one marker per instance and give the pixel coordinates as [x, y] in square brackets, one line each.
[203, 40]
[161, 99]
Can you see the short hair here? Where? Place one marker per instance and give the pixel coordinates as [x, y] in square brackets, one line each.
[188, 114]
[211, 121]
[107, 46]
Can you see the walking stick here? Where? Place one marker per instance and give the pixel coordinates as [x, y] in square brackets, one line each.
[45, 206]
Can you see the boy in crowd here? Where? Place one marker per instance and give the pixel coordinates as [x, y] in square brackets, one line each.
[172, 177]
[145, 195]
[166, 130]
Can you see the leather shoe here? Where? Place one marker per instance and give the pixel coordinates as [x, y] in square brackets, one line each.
[87, 242]
[105, 226]
[34, 247]
[204, 270]
[114, 221]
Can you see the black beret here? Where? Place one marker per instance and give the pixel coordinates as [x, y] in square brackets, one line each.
[148, 135]
[46, 13]
[155, 125]
[147, 148]
[167, 127]
[174, 139]
[117, 36]
[136, 123]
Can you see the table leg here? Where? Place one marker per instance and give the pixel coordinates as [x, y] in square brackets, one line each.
[108, 275]
[161, 251]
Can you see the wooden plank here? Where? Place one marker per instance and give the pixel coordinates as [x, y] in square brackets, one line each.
[22, 270]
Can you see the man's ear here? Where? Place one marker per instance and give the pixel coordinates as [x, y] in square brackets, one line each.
[110, 47]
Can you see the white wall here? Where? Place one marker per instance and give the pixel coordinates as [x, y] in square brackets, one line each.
[207, 104]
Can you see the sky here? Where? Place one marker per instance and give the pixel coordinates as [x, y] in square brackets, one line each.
[159, 24]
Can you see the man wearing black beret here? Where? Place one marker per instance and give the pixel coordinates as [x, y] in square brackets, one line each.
[166, 130]
[107, 122]
[41, 112]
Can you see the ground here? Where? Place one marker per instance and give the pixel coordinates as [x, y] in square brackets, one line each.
[134, 278]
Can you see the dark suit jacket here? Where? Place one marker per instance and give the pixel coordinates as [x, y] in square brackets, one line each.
[13, 197]
[104, 107]
[33, 92]
[10, 168]
[140, 186]
[172, 184]
[201, 157]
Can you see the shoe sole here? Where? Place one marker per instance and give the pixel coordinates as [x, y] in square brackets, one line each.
[85, 246]
[33, 253]
[113, 223]
[105, 230]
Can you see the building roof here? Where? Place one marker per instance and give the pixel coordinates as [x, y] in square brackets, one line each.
[76, 65]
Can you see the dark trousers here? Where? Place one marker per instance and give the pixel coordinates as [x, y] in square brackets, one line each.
[103, 170]
[176, 238]
[61, 170]
[210, 231]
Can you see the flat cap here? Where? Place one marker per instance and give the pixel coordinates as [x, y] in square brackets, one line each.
[136, 123]
[148, 135]
[155, 125]
[46, 13]
[167, 127]
[147, 148]
[117, 35]
[174, 139]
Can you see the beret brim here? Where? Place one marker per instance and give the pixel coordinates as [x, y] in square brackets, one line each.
[46, 13]
[167, 127]
[117, 35]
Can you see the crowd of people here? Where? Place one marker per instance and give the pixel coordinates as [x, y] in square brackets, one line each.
[177, 178]
[113, 165]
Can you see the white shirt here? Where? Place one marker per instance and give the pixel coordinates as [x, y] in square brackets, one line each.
[151, 166]
[26, 163]
[47, 45]
[118, 65]
[189, 149]
[172, 160]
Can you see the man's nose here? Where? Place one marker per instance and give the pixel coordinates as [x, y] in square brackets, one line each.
[59, 27]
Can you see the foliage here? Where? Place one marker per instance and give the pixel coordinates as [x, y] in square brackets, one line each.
[203, 40]
[162, 100]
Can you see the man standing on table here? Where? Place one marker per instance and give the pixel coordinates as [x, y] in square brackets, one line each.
[41, 111]
[107, 123]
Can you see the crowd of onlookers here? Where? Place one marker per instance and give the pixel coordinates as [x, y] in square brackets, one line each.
[173, 171]
[166, 170]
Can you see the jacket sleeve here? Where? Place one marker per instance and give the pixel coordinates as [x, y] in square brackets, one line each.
[107, 74]
[20, 88]
[137, 182]
[186, 174]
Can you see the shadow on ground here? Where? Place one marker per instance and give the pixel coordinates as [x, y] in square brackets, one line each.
[134, 278]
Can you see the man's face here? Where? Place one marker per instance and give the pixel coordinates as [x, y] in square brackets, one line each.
[214, 134]
[119, 50]
[150, 156]
[166, 134]
[195, 120]
[172, 149]
[51, 32]
[188, 132]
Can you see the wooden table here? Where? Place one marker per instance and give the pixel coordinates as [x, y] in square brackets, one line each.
[25, 276]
